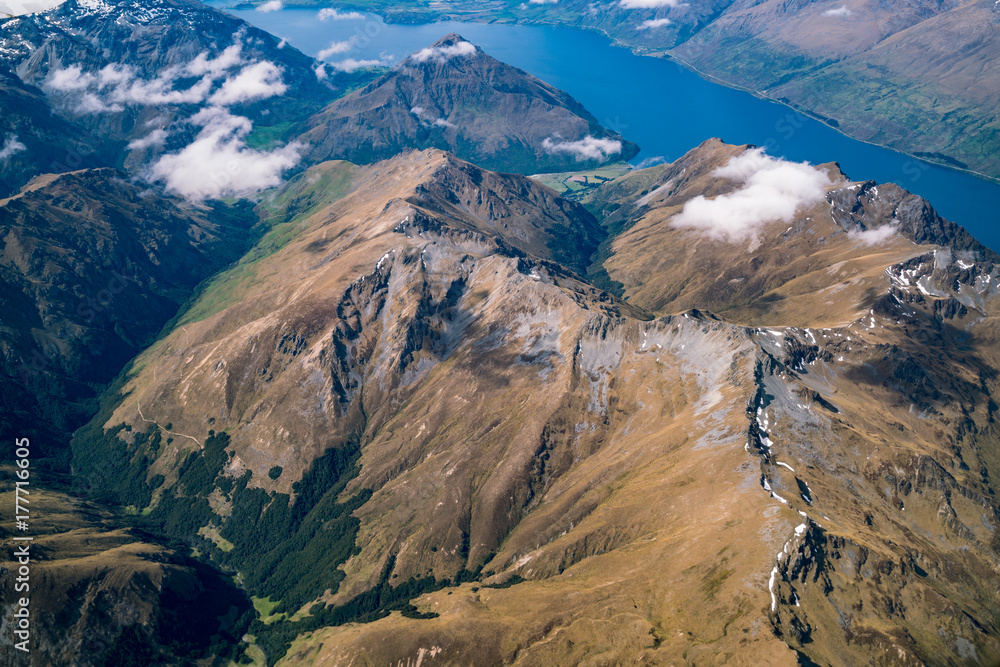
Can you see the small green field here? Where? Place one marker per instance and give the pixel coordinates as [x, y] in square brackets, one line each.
[574, 184]
[212, 533]
[265, 607]
[253, 653]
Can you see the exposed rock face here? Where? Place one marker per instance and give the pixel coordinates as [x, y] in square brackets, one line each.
[871, 206]
[547, 473]
[453, 96]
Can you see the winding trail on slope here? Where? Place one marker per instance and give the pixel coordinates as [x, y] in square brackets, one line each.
[150, 421]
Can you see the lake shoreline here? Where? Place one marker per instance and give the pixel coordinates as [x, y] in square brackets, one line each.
[641, 51]
[661, 102]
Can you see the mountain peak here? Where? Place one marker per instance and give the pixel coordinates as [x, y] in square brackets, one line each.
[450, 39]
[454, 96]
[446, 49]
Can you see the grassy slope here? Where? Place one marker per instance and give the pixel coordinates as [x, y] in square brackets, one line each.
[282, 216]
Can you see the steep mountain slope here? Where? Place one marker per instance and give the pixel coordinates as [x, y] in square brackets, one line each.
[916, 75]
[33, 141]
[91, 267]
[453, 96]
[412, 400]
[101, 596]
[154, 37]
[819, 265]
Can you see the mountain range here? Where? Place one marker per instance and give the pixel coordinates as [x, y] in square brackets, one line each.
[423, 357]
[414, 406]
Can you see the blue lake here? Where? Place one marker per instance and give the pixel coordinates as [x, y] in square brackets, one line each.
[654, 102]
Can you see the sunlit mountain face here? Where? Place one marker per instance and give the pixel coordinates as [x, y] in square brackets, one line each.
[408, 364]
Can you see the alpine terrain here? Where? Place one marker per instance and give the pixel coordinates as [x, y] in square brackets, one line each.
[376, 395]
[425, 407]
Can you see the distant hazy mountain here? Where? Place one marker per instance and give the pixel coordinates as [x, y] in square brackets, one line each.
[915, 75]
[455, 97]
[34, 140]
[164, 77]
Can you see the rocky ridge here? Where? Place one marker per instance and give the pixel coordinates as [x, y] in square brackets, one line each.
[523, 437]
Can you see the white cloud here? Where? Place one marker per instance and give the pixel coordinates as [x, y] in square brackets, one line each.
[772, 189]
[588, 148]
[543, 2]
[204, 64]
[329, 14]
[271, 6]
[351, 64]
[69, 79]
[320, 71]
[132, 90]
[650, 4]
[440, 54]
[874, 236]
[653, 24]
[841, 12]
[115, 86]
[254, 82]
[651, 162]
[337, 47]
[11, 146]
[154, 138]
[83, 87]
[218, 162]
[437, 122]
